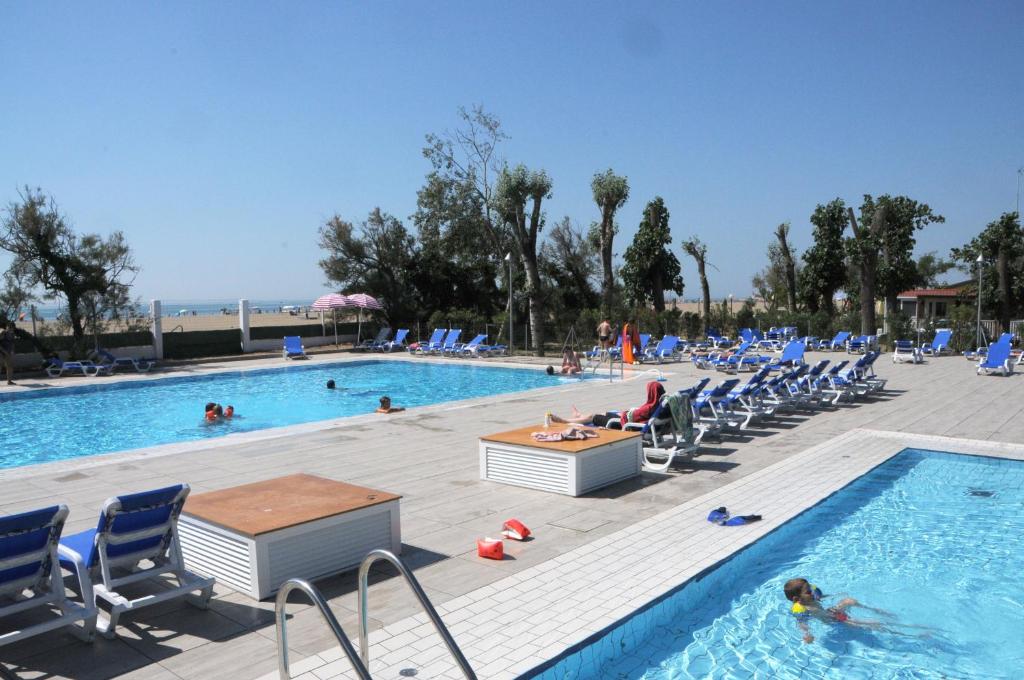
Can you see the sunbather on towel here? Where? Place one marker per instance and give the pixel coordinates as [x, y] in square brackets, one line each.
[640, 414]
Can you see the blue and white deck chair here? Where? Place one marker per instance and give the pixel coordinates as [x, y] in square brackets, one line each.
[433, 344]
[133, 529]
[997, 361]
[940, 345]
[450, 341]
[473, 348]
[836, 343]
[30, 576]
[664, 351]
[56, 368]
[980, 353]
[792, 355]
[378, 341]
[904, 350]
[140, 365]
[293, 348]
[397, 343]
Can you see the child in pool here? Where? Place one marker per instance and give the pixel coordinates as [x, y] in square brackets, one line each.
[806, 599]
[386, 407]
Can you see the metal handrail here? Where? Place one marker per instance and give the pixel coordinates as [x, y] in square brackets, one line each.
[321, 604]
[442, 630]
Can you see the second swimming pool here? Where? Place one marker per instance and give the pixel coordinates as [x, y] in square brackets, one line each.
[100, 418]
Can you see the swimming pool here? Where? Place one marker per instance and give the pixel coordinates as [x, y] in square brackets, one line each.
[99, 418]
[933, 537]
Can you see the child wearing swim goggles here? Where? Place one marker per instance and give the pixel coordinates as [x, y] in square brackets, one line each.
[806, 599]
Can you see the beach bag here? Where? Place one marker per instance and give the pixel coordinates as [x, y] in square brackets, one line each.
[490, 548]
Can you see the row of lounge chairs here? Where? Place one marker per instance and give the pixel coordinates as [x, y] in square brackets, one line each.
[135, 539]
[729, 405]
[106, 364]
[444, 342]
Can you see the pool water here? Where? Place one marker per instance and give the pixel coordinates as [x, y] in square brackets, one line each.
[935, 538]
[99, 418]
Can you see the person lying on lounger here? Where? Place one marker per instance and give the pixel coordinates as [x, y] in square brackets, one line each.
[640, 414]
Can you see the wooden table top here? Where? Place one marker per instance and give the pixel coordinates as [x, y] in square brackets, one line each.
[262, 507]
[521, 437]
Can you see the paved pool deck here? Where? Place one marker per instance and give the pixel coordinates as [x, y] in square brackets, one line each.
[429, 456]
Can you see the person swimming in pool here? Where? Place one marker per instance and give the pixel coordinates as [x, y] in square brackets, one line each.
[807, 604]
[386, 407]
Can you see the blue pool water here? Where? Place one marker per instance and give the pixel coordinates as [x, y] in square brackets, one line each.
[97, 418]
[935, 538]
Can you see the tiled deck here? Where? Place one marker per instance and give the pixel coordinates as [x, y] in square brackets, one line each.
[429, 456]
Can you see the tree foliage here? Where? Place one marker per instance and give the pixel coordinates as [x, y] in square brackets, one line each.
[824, 269]
[783, 255]
[929, 268]
[377, 258]
[91, 276]
[567, 263]
[611, 192]
[650, 267]
[1001, 243]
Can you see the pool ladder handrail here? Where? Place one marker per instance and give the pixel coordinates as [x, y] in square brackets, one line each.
[417, 590]
[361, 661]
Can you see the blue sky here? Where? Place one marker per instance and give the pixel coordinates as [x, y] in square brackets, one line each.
[219, 136]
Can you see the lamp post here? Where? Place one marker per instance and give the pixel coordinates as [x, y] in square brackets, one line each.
[980, 262]
[511, 337]
[730, 304]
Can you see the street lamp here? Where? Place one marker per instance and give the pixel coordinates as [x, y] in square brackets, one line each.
[730, 303]
[980, 262]
[511, 337]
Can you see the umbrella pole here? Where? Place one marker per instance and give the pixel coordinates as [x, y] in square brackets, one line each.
[335, 314]
[359, 327]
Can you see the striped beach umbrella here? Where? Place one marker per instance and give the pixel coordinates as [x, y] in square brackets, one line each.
[362, 301]
[330, 301]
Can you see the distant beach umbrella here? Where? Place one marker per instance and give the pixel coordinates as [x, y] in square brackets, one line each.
[330, 301]
[362, 301]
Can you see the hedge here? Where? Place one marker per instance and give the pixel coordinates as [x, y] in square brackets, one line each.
[312, 330]
[196, 344]
[59, 343]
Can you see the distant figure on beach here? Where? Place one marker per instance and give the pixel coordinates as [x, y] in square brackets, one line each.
[604, 334]
[386, 407]
[7, 351]
[330, 384]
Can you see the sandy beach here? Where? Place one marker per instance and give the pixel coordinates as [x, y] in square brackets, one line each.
[222, 322]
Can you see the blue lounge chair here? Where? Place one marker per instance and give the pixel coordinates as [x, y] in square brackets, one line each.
[134, 529]
[55, 368]
[940, 345]
[664, 351]
[904, 350]
[471, 348]
[293, 348]
[792, 355]
[382, 337]
[861, 344]
[140, 365]
[450, 341]
[997, 361]
[30, 576]
[662, 438]
[433, 344]
[981, 352]
[836, 343]
[397, 343]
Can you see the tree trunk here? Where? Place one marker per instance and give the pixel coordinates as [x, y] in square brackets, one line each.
[705, 290]
[658, 290]
[868, 267]
[787, 259]
[536, 307]
[1005, 303]
[606, 262]
[77, 327]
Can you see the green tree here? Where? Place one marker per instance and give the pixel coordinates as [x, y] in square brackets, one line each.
[699, 252]
[611, 192]
[377, 258]
[784, 254]
[650, 266]
[1001, 242]
[929, 268]
[897, 269]
[518, 196]
[90, 275]
[824, 270]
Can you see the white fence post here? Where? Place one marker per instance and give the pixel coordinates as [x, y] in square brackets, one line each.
[243, 323]
[156, 328]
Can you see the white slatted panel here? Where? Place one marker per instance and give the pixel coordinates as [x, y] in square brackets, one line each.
[215, 554]
[537, 472]
[328, 549]
[605, 467]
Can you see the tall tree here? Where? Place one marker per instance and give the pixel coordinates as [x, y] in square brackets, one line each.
[824, 270]
[863, 249]
[90, 274]
[377, 259]
[611, 192]
[789, 267]
[567, 261]
[518, 196]
[903, 217]
[1002, 241]
[699, 252]
[650, 266]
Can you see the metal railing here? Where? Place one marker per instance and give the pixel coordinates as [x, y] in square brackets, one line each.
[282, 633]
[435, 618]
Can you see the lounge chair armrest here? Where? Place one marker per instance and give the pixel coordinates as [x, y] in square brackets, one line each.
[632, 426]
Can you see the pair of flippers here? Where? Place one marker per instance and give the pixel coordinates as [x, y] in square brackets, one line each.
[721, 517]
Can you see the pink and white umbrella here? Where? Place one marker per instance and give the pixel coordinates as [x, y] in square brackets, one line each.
[362, 301]
[330, 301]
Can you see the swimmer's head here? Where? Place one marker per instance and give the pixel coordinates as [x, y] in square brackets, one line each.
[795, 588]
[550, 370]
[385, 402]
[330, 384]
[209, 406]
